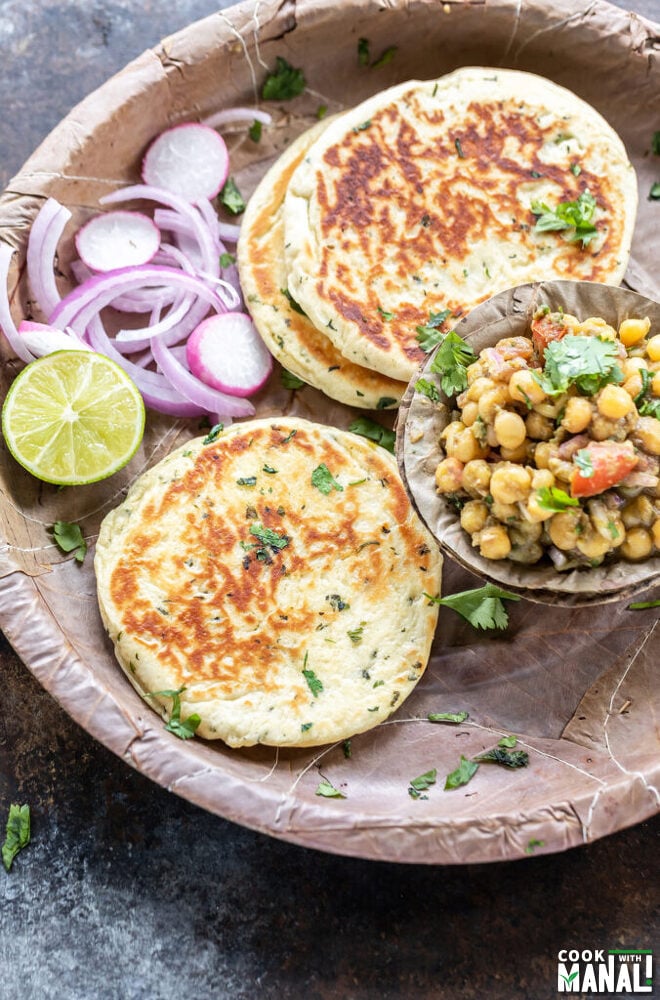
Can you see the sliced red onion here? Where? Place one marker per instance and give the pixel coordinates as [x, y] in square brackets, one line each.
[42, 339]
[136, 302]
[45, 234]
[12, 335]
[131, 237]
[171, 325]
[231, 115]
[191, 160]
[228, 232]
[200, 229]
[197, 392]
[210, 217]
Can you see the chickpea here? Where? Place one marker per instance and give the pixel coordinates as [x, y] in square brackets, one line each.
[631, 366]
[474, 371]
[653, 348]
[466, 447]
[542, 478]
[571, 321]
[614, 402]
[553, 407]
[592, 544]
[655, 384]
[476, 478]
[538, 427]
[595, 326]
[638, 513]
[607, 523]
[494, 542]
[655, 533]
[469, 413]
[577, 414]
[479, 386]
[647, 433]
[510, 483]
[491, 401]
[565, 528]
[534, 511]
[524, 388]
[448, 475]
[633, 385]
[450, 434]
[519, 454]
[510, 429]
[542, 454]
[504, 512]
[603, 428]
[474, 516]
[637, 545]
[631, 331]
[562, 470]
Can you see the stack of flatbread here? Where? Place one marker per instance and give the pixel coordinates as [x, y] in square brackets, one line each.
[416, 205]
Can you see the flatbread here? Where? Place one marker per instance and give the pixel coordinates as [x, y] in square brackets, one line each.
[419, 200]
[290, 336]
[288, 602]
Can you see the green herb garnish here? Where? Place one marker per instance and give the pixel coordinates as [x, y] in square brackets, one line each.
[385, 314]
[576, 215]
[226, 260]
[17, 834]
[183, 729]
[385, 401]
[589, 363]
[575, 169]
[386, 57]
[255, 130]
[532, 844]
[269, 537]
[422, 783]
[655, 144]
[363, 126]
[506, 758]
[247, 481]
[270, 470]
[292, 302]
[355, 634]
[69, 538]
[231, 197]
[313, 682]
[641, 605]
[321, 111]
[508, 741]
[654, 193]
[306, 726]
[363, 51]
[428, 336]
[451, 361]
[459, 149]
[214, 434]
[336, 602]
[427, 389]
[291, 381]
[374, 431]
[481, 607]
[284, 83]
[465, 771]
[455, 717]
[552, 498]
[324, 481]
[649, 408]
[329, 791]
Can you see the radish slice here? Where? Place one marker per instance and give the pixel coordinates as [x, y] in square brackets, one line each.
[231, 115]
[190, 160]
[227, 353]
[194, 389]
[129, 237]
[42, 339]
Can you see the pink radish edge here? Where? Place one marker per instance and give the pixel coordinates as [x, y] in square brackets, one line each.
[227, 353]
[130, 237]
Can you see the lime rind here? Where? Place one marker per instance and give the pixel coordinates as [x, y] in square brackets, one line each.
[72, 418]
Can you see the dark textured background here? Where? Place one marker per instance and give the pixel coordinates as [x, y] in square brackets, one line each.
[130, 892]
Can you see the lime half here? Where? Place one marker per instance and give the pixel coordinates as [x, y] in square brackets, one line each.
[73, 417]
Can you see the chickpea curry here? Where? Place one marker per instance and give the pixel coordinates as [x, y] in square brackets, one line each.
[553, 449]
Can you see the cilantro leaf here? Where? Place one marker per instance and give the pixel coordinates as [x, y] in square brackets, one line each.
[227, 259]
[507, 758]
[465, 771]
[451, 361]
[69, 538]
[386, 57]
[584, 463]
[481, 607]
[284, 83]
[385, 314]
[231, 197]
[313, 683]
[297, 308]
[654, 193]
[430, 335]
[247, 481]
[576, 215]
[427, 389]
[355, 634]
[641, 605]
[422, 783]
[455, 717]
[508, 741]
[649, 408]
[329, 791]
[552, 498]
[532, 844]
[17, 835]
[255, 130]
[183, 729]
[324, 481]
[655, 144]
[374, 432]
[586, 362]
[214, 434]
[321, 111]
[267, 536]
[363, 51]
[291, 381]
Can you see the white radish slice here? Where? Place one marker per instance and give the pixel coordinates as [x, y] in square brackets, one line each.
[42, 339]
[190, 160]
[117, 239]
[227, 353]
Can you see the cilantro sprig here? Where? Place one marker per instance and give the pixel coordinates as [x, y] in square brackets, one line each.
[69, 538]
[183, 729]
[575, 215]
[422, 783]
[284, 83]
[374, 431]
[231, 197]
[17, 833]
[589, 363]
[427, 389]
[451, 362]
[552, 498]
[431, 334]
[481, 607]
[324, 481]
[328, 791]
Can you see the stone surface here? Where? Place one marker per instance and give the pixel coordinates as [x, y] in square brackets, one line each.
[129, 892]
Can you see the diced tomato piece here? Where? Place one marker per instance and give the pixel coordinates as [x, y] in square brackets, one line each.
[545, 329]
[611, 462]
